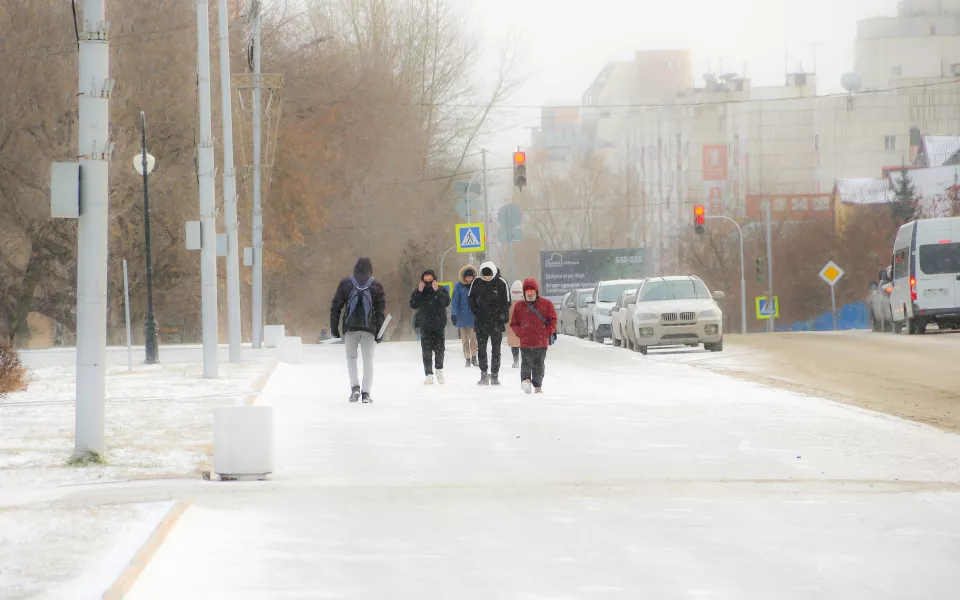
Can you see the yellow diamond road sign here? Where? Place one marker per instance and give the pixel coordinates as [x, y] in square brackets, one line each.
[831, 273]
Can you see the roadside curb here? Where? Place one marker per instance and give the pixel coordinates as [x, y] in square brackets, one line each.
[141, 559]
[259, 384]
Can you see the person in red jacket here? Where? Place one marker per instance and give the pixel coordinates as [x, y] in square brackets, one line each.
[534, 321]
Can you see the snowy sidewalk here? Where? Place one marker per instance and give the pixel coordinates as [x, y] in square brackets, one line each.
[158, 424]
[631, 479]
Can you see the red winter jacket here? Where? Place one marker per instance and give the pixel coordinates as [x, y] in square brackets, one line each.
[533, 332]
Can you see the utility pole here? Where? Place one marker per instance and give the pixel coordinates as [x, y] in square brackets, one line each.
[95, 149]
[208, 231]
[229, 187]
[771, 325]
[257, 178]
[151, 346]
[486, 206]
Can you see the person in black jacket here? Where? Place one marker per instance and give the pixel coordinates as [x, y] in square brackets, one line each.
[490, 302]
[431, 302]
[357, 313]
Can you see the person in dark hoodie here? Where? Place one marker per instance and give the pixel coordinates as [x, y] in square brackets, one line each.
[489, 299]
[431, 302]
[357, 314]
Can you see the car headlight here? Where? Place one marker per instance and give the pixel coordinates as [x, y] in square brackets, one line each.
[604, 312]
[710, 314]
[646, 317]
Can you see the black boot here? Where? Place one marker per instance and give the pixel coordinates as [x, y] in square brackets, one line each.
[475, 361]
[494, 380]
[469, 364]
[367, 399]
[484, 379]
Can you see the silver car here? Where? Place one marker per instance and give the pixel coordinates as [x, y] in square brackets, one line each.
[673, 311]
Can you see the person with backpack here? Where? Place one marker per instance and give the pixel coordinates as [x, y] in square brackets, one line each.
[535, 322]
[361, 301]
[516, 297]
[489, 299]
[462, 315]
[431, 302]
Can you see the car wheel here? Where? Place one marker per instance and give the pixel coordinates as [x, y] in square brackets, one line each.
[718, 347]
[616, 342]
[598, 338]
[913, 327]
[898, 327]
[642, 350]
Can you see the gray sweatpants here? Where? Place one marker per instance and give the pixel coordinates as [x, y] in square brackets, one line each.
[357, 342]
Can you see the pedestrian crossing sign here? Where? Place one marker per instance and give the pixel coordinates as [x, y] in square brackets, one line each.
[470, 238]
[767, 309]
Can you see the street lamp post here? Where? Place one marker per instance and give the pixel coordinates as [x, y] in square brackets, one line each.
[743, 281]
[144, 164]
[443, 259]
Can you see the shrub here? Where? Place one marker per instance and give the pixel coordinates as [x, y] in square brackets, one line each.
[13, 375]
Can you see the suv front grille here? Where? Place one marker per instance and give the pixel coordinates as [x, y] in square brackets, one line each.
[684, 318]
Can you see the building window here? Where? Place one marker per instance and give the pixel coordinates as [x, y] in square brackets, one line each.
[896, 70]
[780, 204]
[821, 204]
[799, 205]
[890, 143]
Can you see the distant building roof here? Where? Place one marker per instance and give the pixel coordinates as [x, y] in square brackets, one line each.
[864, 191]
[940, 150]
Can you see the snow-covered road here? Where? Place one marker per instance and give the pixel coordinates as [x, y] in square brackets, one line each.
[631, 478]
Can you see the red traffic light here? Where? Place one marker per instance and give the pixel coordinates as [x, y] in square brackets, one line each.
[519, 158]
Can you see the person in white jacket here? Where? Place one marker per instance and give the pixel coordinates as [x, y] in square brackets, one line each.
[490, 303]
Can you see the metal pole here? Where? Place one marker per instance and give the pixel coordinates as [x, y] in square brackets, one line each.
[208, 226]
[513, 270]
[257, 177]
[92, 248]
[443, 259]
[771, 325]
[150, 344]
[229, 187]
[126, 311]
[486, 207]
[473, 257]
[743, 275]
[833, 306]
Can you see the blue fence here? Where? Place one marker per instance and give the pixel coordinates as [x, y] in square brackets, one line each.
[849, 316]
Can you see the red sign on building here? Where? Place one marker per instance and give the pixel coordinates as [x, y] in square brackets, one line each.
[714, 163]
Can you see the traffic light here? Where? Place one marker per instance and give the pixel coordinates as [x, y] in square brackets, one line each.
[760, 270]
[699, 219]
[520, 169]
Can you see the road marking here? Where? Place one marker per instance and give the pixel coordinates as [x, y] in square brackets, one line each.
[142, 558]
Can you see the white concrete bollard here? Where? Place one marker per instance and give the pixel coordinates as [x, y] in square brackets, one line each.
[272, 334]
[291, 350]
[243, 442]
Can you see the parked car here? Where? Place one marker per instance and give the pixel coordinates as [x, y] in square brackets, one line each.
[926, 275]
[671, 311]
[600, 313]
[573, 314]
[878, 302]
[618, 324]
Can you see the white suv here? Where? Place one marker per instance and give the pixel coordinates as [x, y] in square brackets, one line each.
[674, 311]
[600, 311]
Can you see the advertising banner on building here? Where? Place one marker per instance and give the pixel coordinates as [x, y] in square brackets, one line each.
[714, 163]
[563, 271]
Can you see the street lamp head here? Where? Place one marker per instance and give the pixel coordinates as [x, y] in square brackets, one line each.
[138, 163]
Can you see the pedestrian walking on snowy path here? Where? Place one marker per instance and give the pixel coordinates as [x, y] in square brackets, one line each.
[535, 323]
[431, 302]
[513, 340]
[357, 314]
[490, 302]
[462, 315]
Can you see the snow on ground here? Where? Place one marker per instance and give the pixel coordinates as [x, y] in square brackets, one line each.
[630, 478]
[159, 423]
[158, 418]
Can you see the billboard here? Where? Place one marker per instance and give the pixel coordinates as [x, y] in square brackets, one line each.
[714, 163]
[563, 271]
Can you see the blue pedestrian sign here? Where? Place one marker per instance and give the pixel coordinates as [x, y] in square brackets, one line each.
[470, 238]
[767, 309]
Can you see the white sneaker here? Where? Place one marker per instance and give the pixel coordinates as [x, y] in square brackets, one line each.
[428, 380]
[527, 386]
[440, 376]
